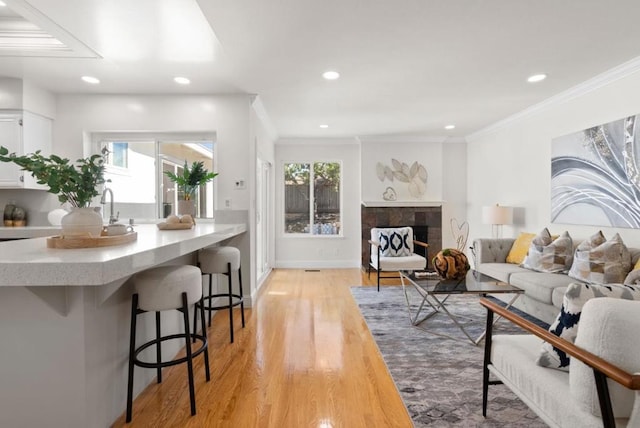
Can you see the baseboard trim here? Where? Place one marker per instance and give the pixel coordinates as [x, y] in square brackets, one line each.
[317, 264]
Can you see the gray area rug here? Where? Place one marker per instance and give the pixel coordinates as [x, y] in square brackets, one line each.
[440, 379]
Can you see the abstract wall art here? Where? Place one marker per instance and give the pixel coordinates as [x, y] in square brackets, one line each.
[415, 176]
[595, 176]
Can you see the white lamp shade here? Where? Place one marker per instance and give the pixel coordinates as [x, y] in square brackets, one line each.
[497, 215]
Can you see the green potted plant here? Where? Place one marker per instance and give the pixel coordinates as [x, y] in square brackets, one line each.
[188, 182]
[76, 184]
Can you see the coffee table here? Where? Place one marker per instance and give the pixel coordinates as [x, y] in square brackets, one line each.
[435, 291]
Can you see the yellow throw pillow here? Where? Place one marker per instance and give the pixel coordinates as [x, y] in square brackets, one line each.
[636, 266]
[519, 249]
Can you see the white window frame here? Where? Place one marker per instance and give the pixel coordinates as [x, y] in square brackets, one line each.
[310, 234]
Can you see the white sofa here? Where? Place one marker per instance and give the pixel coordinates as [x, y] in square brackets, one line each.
[543, 292]
[571, 399]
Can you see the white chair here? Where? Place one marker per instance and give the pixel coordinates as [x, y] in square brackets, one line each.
[391, 249]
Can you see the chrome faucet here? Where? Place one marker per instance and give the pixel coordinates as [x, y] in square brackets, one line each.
[112, 219]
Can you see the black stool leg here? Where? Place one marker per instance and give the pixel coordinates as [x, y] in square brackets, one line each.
[192, 392]
[158, 347]
[210, 293]
[206, 336]
[132, 350]
[241, 295]
[230, 301]
[195, 318]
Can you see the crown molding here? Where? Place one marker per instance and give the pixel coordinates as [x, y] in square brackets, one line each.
[299, 141]
[623, 70]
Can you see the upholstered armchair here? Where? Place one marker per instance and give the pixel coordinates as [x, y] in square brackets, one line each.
[392, 249]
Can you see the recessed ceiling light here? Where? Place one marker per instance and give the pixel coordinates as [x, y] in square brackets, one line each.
[536, 78]
[331, 75]
[324, 126]
[182, 80]
[91, 79]
[450, 127]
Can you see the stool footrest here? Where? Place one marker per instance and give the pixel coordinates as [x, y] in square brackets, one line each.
[146, 345]
[237, 301]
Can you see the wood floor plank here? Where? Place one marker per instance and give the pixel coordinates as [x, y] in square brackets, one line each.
[305, 359]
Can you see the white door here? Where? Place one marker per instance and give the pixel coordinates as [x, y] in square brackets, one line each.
[262, 213]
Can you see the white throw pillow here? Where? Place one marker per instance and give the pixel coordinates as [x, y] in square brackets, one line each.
[395, 242]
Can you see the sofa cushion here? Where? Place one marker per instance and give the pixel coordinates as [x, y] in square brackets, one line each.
[604, 263]
[412, 262]
[396, 242]
[547, 255]
[605, 328]
[520, 247]
[500, 271]
[566, 324]
[539, 285]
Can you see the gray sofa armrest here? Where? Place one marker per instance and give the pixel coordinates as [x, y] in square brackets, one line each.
[488, 250]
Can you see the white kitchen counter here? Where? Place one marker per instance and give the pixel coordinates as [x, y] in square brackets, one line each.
[29, 262]
[64, 323]
[28, 232]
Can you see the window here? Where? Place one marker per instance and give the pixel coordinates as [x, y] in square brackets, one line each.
[135, 170]
[118, 154]
[312, 198]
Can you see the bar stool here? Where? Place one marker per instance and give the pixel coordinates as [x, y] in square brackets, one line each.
[160, 289]
[221, 260]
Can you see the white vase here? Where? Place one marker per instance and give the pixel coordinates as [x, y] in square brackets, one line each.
[82, 222]
[187, 207]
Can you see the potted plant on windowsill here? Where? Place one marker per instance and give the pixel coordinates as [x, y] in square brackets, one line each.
[188, 182]
[76, 184]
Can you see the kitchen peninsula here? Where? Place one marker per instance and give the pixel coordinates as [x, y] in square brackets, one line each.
[64, 323]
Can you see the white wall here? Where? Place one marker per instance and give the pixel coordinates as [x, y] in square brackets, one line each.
[511, 164]
[320, 251]
[227, 116]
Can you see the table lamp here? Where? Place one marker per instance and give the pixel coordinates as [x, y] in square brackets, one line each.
[496, 216]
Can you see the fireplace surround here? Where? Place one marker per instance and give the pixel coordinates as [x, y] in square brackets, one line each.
[423, 219]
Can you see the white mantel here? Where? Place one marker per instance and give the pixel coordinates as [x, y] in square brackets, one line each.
[402, 203]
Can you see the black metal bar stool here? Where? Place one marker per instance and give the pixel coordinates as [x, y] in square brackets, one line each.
[221, 260]
[160, 289]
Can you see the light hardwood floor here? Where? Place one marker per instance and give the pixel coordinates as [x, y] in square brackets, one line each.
[305, 359]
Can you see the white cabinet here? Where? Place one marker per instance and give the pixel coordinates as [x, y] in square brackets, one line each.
[23, 133]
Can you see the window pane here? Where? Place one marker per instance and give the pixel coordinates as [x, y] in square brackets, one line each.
[119, 154]
[326, 190]
[296, 198]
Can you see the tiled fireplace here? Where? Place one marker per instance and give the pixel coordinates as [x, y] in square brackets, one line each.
[379, 215]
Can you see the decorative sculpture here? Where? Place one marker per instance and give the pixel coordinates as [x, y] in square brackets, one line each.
[451, 264]
[415, 175]
[460, 233]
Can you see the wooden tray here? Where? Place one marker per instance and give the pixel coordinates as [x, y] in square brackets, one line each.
[174, 226]
[72, 242]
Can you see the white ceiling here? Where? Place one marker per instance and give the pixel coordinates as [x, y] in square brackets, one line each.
[408, 66]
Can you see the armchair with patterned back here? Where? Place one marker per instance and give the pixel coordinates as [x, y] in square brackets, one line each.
[392, 249]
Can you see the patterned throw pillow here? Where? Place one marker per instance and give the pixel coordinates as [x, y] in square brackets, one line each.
[566, 324]
[601, 262]
[547, 255]
[396, 242]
